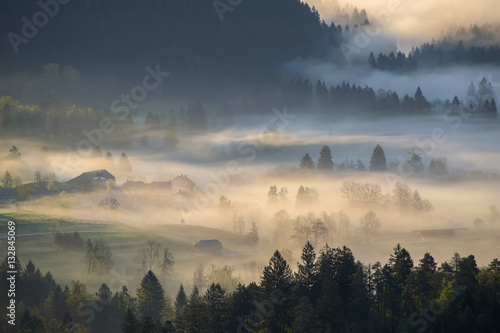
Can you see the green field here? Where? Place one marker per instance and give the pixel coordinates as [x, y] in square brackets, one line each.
[124, 241]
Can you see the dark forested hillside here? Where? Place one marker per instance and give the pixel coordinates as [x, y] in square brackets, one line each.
[188, 37]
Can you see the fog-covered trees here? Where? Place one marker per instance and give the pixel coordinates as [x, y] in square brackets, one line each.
[370, 224]
[406, 200]
[124, 164]
[7, 180]
[253, 234]
[361, 192]
[98, 257]
[306, 196]
[377, 160]
[309, 228]
[325, 161]
[438, 166]
[307, 163]
[274, 196]
[109, 203]
[155, 257]
[239, 223]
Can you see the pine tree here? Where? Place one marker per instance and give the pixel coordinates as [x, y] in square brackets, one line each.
[307, 270]
[420, 101]
[253, 235]
[378, 161]
[371, 61]
[241, 306]
[124, 163]
[180, 305]
[216, 301]
[325, 161]
[7, 180]
[196, 313]
[493, 107]
[277, 280]
[151, 297]
[180, 301]
[307, 162]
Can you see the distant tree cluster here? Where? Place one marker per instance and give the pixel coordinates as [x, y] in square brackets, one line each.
[68, 241]
[435, 54]
[406, 200]
[322, 229]
[414, 165]
[402, 198]
[109, 203]
[361, 192]
[156, 257]
[98, 257]
[274, 196]
[306, 196]
[346, 98]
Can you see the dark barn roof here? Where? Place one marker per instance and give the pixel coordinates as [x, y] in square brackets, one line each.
[209, 245]
[87, 177]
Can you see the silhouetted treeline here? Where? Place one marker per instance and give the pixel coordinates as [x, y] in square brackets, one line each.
[434, 54]
[329, 291]
[346, 98]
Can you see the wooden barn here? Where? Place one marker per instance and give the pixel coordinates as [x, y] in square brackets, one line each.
[209, 246]
[436, 234]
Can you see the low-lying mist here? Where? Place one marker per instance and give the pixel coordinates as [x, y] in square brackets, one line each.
[241, 163]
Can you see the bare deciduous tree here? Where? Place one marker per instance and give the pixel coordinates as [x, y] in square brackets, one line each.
[370, 224]
[155, 257]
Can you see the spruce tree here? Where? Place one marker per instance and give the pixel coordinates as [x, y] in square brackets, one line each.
[196, 313]
[277, 283]
[378, 161]
[307, 270]
[151, 297]
[180, 305]
[325, 161]
[180, 301]
[216, 302]
[307, 162]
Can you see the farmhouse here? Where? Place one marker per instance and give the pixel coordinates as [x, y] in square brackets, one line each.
[91, 179]
[181, 187]
[182, 184]
[209, 246]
